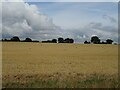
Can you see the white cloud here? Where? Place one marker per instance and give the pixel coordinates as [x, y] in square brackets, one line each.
[112, 19]
[21, 18]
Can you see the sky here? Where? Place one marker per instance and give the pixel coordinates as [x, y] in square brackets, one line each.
[48, 20]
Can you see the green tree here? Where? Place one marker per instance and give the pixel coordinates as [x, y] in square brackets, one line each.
[95, 40]
[54, 40]
[28, 40]
[15, 38]
[60, 40]
[109, 41]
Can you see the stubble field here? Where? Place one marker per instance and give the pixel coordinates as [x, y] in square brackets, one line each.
[48, 65]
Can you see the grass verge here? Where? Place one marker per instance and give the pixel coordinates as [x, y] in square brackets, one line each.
[58, 80]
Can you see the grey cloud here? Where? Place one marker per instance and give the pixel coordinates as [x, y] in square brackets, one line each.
[112, 19]
[105, 31]
[95, 25]
[94, 28]
[100, 26]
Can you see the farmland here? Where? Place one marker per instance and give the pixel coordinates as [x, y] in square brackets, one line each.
[59, 65]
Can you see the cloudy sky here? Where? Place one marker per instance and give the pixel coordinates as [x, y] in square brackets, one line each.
[48, 20]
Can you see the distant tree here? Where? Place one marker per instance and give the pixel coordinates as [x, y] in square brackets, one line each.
[15, 38]
[28, 40]
[71, 40]
[86, 42]
[60, 40]
[95, 40]
[109, 41]
[54, 41]
[5, 39]
[67, 40]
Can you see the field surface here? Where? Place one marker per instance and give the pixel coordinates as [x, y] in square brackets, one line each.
[59, 65]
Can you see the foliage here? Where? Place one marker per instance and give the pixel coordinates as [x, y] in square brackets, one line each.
[28, 40]
[60, 40]
[95, 40]
[15, 38]
[86, 42]
[109, 41]
[68, 40]
[54, 40]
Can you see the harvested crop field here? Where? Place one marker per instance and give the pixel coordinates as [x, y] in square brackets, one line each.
[52, 65]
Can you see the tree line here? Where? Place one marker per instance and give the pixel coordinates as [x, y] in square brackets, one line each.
[17, 39]
[59, 40]
[94, 40]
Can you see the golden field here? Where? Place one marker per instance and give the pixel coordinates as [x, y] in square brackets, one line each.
[27, 64]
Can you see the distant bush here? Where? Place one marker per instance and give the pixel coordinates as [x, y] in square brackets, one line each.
[86, 42]
[5, 39]
[103, 42]
[35, 41]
